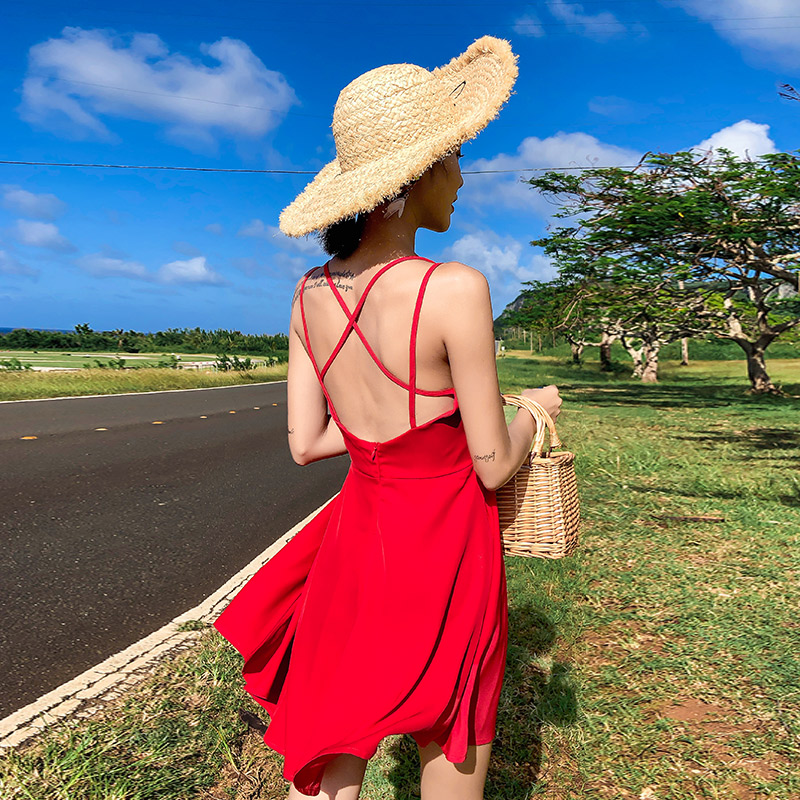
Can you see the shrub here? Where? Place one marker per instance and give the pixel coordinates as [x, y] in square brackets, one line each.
[14, 365]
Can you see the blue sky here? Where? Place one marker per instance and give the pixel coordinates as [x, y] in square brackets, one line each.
[252, 85]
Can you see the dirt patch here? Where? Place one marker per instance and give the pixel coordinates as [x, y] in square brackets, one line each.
[600, 648]
[716, 729]
[612, 644]
[691, 710]
[740, 791]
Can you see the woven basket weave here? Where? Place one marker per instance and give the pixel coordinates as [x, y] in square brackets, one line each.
[538, 507]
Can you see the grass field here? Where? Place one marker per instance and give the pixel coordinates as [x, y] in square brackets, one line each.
[660, 662]
[77, 359]
[28, 385]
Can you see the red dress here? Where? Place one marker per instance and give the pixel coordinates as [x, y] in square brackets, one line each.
[387, 613]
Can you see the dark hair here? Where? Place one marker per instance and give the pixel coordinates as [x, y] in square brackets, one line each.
[343, 237]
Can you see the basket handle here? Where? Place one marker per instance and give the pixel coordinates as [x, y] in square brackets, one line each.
[543, 422]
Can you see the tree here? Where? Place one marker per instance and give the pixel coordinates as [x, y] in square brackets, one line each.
[729, 227]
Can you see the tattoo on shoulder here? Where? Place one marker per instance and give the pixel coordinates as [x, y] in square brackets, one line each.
[342, 280]
[486, 457]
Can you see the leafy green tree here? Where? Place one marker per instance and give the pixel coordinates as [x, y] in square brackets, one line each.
[727, 227]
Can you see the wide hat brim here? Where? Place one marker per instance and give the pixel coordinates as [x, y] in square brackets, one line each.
[479, 81]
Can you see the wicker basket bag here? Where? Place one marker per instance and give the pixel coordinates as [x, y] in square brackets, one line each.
[538, 507]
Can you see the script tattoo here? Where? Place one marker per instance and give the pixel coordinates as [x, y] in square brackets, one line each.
[487, 457]
[339, 277]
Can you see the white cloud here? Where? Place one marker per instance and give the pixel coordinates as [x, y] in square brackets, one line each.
[490, 192]
[249, 266]
[620, 109]
[293, 266]
[529, 25]
[67, 89]
[280, 265]
[306, 245]
[255, 228]
[599, 27]
[192, 270]
[744, 138]
[42, 234]
[505, 262]
[215, 228]
[103, 266]
[186, 249]
[28, 204]
[10, 265]
[110, 264]
[775, 38]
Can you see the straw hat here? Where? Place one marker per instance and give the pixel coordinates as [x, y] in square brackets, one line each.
[391, 123]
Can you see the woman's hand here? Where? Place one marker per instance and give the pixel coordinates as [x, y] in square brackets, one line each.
[547, 397]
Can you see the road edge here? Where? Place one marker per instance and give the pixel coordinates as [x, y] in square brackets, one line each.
[83, 695]
[149, 391]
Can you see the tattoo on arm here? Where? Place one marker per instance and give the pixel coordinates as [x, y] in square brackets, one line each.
[487, 457]
[291, 431]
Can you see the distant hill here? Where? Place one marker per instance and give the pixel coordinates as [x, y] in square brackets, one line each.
[514, 305]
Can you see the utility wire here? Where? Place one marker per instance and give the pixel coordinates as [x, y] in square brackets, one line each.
[158, 166]
[273, 171]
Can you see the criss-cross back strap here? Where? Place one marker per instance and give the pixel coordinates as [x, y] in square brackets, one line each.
[352, 325]
[352, 321]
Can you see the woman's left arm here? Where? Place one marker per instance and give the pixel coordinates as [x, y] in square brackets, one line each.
[313, 434]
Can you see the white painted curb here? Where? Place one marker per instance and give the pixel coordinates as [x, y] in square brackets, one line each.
[80, 696]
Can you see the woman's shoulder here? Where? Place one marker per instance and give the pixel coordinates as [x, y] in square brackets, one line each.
[460, 280]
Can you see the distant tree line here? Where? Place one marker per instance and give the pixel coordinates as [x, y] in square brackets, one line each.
[695, 247]
[177, 340]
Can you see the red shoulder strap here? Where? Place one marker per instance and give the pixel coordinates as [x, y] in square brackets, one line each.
[412, 357]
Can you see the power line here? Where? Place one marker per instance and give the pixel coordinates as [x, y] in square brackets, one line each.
[274, 171]
[157, 166]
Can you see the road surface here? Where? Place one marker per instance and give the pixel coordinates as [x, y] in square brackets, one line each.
[109, 534]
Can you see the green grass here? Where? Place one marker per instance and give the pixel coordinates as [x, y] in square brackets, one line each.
[77, 359]
[660, 661]
[29, 384]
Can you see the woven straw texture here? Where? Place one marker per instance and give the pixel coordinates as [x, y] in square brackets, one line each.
[392, 123]
[538, 507]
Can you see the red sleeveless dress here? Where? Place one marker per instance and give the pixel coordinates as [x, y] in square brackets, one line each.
[387, 613]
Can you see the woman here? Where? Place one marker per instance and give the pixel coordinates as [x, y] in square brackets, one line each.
[388, 613]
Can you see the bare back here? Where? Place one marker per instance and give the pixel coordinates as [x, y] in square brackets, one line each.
[405, 380]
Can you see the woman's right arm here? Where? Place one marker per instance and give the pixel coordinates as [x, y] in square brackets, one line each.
[498, 449]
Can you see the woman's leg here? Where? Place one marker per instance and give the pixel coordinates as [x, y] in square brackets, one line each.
[441, 779]
[341, 780]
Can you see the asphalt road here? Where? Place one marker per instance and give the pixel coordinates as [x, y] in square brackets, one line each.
[108, 535]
